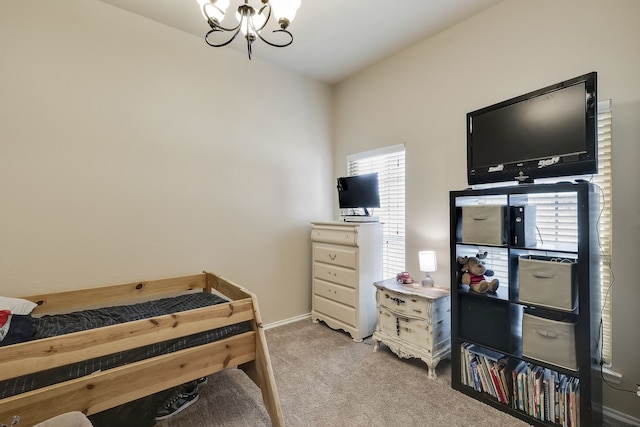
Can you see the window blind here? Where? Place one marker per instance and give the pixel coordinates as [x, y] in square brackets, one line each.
[560, 215]
[389, 163]
[557, 223]
[603, 180]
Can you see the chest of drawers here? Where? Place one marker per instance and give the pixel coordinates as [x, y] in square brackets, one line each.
[346, 260]
[414, 322]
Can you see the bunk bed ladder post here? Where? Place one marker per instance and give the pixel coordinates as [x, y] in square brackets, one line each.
[259, 370]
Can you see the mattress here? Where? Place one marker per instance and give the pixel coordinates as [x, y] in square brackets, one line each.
[60, 324]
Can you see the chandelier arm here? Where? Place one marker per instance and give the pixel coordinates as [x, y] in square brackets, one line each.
[213, 23]
[217, 27]
[206, 37]
[266, 21]
[275, 44]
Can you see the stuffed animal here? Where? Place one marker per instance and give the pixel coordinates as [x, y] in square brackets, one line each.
[476, 275]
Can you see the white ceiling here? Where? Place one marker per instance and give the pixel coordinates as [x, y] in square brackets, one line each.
[333, 39]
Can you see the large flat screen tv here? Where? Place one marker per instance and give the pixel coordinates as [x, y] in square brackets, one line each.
[550, 132]
[359, 192]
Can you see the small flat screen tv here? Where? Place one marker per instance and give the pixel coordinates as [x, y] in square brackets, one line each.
[359, 192]
[550, 132]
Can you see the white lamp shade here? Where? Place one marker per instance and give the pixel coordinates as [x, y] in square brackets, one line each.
[428, 261]
[216, 8]
[285, 8]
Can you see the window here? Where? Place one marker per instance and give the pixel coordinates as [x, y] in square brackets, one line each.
[603, 180]
[556, 219]
[558, 225]
[390, 165]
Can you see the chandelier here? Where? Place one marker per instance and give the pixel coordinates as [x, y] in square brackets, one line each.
[251, 21]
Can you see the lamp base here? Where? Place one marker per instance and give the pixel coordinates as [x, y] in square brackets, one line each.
[427, 281]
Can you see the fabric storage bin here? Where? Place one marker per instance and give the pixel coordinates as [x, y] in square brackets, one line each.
[484, 224]
[485, 321]
[549, 282]
[549, 341]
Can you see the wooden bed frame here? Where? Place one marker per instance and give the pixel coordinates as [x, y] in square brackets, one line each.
[103, 390]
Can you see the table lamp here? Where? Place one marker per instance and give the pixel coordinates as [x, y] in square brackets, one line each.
[427, 264]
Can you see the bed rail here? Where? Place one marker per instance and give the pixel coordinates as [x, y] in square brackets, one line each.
[103, 390]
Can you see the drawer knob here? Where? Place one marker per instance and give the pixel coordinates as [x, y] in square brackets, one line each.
[332, 257]
[397, 300]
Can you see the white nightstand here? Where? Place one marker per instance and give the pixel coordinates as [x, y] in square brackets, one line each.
[414, 322]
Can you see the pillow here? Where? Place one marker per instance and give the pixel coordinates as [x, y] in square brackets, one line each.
[17, 305]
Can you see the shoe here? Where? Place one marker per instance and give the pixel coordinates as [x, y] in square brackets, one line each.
[202, 380]
[178, 401]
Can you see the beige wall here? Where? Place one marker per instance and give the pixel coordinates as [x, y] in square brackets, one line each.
[131, 151]
[420, 97]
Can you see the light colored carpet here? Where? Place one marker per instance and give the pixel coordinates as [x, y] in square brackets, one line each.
[325, 379]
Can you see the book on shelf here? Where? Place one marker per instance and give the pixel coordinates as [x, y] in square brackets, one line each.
[563, 401]
[485, 371]
[504, 384]
[519, 386]
[545, 394]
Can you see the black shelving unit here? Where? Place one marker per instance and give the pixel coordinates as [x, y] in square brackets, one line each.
[493, 322]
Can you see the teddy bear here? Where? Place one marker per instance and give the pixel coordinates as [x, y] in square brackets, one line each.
[476, 275]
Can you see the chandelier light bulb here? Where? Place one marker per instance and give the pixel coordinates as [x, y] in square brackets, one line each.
[285, 9]
[214, 9]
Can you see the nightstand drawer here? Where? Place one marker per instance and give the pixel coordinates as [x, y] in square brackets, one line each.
[414, 330]
[404, 304]
[336, 255]
[334, 292]
[338, 235]
[335, 274]
[336, 310]
[418, 332]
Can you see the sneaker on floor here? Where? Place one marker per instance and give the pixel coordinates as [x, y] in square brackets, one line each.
[176, 402]
[202, 380]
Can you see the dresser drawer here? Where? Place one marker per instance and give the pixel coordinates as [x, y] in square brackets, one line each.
[332, 273]
[335, 292]
[404, 304]
[338, 235]
[417, 332]
[336, 255]
[334, 309]
[429, 336]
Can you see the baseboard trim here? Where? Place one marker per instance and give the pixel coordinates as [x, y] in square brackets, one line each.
[619, 417]
[287, 321]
